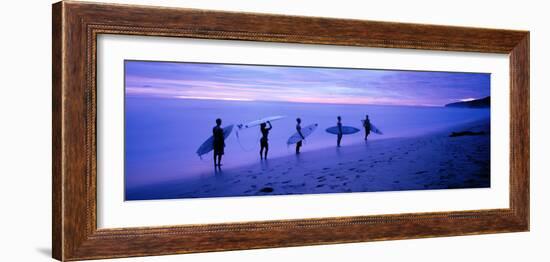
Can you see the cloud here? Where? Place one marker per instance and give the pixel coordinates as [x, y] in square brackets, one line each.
[301, 84]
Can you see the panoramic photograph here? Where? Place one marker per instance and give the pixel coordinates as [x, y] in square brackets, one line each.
[202, 130]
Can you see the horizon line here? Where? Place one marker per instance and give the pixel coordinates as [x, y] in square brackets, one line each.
[200, 98]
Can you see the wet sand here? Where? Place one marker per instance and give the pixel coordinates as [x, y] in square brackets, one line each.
[431, 161]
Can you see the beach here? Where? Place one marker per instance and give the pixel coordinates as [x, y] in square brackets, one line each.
[432, 160]
[162, 137]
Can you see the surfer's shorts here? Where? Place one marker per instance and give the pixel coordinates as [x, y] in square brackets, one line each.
[263, 142]
[218, 150]
[299, 144]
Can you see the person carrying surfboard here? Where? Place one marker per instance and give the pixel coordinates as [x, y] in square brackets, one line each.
[263, 141]
[218, 143]
[367, 126]
[340, 132]
[299, 130]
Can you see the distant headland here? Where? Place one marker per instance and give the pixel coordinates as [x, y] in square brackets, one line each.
[477, 103]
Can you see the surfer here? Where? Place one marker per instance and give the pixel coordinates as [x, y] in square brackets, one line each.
[218, 143]
[367, 126]
[263, 141]
[340, 132]
[299, 130]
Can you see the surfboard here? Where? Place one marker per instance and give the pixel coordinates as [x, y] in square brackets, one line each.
[346, 130]
[208, 145]
[260, 121]
[373, 128]
[306, 131]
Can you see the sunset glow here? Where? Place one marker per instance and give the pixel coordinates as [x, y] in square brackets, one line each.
[301, 84]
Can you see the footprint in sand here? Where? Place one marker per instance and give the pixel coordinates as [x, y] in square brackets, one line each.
[421, 172]
[351, 169]
[326, 168]
[321, 185]
[286, 182]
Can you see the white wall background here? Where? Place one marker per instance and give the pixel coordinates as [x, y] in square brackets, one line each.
[25, 115]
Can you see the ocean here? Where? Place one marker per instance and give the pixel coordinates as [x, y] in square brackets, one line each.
[162, 134]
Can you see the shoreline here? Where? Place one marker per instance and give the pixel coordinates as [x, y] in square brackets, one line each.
[429, 161]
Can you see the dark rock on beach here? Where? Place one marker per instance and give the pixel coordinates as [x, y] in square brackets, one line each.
[266, 190]
[467, 133]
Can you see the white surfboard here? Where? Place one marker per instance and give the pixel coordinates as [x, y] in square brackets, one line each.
[208, 145]
[306, 131]
[260, 121]
[373, 128]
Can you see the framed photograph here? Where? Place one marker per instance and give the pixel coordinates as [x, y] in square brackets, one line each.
[182, 130]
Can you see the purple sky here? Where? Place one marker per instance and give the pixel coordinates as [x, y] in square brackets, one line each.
[301, 84]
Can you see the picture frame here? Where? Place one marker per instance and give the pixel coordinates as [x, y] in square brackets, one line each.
[75, 29]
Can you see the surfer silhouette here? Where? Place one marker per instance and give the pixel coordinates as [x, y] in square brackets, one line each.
[218, 143]
[366, 125]
[263, 141]
[299, 130]
[340, 132]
